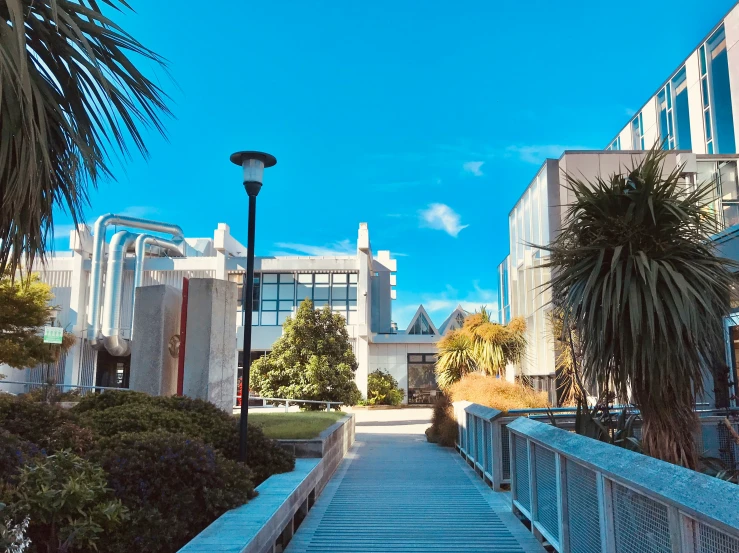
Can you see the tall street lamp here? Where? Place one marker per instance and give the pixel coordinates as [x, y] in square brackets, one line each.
[253, 164]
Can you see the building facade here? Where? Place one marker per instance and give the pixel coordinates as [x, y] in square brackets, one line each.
[360, 287]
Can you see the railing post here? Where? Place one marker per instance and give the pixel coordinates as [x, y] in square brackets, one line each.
[496, 441]
[675, 526]
[287, 405]
[687, 533]
[533, 507]
[560, 468]
[605, 510]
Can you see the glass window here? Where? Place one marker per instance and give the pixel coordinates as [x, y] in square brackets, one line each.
[637, 132]
[321, 289]
[421, 326]
[269, 291]
[305, 287]
[422, 387]
[270, 278]
[681, 116]
[727, 173]
[269, 318]
[664, 133]
[720, 89]
[353, 278]
[282, 317]
[269, 306]
[287, 292]
[615, 145]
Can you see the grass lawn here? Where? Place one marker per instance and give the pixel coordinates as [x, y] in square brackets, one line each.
[303, 425]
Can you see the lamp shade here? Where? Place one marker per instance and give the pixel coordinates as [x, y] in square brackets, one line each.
[253, 164]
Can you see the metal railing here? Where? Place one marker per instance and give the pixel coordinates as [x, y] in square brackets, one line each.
[42, 384]
[289, 402]
[583, 495]
[493, 461]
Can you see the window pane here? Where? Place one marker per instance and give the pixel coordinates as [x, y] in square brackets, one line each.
[320, 303]
[729, 189]
[430, 358]
[282, 317]
[354, 278]
[352, 306]
[321, 278]
[254, 318]
[286, 305]
[708, 124]
[305, 291]
[338, 292]
[352, 292]
[339, 278]
[255, 295]
[415, 358]
[269, 306]
[269, 291]
[287, 291]
[305, 279]
[269, 318]
[269, 278]
[320, 292]
[287, 278]
[721, 109]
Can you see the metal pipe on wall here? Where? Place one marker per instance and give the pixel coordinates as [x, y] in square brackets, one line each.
[140, 248]
[98, 257]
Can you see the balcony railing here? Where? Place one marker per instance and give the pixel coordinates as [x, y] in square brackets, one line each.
[581, 514]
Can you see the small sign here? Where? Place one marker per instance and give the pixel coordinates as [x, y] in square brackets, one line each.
[53, 334]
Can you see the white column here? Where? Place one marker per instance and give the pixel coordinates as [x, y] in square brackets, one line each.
[77, 317]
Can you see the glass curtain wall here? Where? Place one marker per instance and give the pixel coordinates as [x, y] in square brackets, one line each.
[718, 115]
[726, 204]
[637, 132]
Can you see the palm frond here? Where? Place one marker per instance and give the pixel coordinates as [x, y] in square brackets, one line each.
[69, 94]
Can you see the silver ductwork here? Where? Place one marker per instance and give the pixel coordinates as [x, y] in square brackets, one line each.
[98, 257]
[140, 247]
[112, 336]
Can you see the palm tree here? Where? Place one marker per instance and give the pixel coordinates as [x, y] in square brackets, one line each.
[640, 284]
[69, 93]
[480, 346]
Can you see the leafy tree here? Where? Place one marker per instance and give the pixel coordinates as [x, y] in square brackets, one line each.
[382, 389]
[24, 310]
[69, 91]
[313, 359]
[641, 286]
[479, 346]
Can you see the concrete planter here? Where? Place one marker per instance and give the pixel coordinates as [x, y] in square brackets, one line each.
[271, 518]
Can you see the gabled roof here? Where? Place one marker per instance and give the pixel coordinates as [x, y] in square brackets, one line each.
[422, 314]
[450, 323]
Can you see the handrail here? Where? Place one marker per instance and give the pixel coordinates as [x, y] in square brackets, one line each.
[289, 401]
[62, 385]
[583, 494]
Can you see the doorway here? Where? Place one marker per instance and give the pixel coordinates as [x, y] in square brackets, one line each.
[112, 372]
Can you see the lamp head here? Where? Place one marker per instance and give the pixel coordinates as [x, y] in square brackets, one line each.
[253, 164]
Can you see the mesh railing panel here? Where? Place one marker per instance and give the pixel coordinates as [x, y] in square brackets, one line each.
[582, 504]
[547, 503]
[522, 472]
[488, 445]
[641, 523]
[710, 540]
[714, 440]
[505, 451]
[479, 442]
[470, 436]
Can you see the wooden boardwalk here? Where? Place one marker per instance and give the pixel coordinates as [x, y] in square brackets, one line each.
[395, 492]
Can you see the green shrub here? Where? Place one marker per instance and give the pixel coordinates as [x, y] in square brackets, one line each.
[443, 429]
[173, 485]
[48, 426]
[133, 412]
[382, 389]
[14, 453]
[67, 502]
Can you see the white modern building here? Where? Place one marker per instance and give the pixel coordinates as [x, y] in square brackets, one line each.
[95, 294]
[694, 114]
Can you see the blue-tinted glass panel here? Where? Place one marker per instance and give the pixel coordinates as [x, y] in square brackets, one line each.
[707, 120]
[664, 131]
[682, 111]
[703, 60]
[704, 91]
[721, 105]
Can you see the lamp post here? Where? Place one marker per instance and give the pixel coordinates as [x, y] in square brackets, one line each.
[253, 165]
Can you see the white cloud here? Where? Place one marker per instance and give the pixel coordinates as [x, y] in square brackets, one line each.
[538, 153]
[442, 217]
[473, 167]
[343, 247]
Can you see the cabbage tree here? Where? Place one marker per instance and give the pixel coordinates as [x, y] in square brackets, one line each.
[641, 285]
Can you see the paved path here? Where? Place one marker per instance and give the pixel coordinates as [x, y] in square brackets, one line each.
[395, 492]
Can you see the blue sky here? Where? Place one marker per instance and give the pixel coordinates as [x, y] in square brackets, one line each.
[424, 119]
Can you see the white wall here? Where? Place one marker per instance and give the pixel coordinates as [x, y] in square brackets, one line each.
[393, 358]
